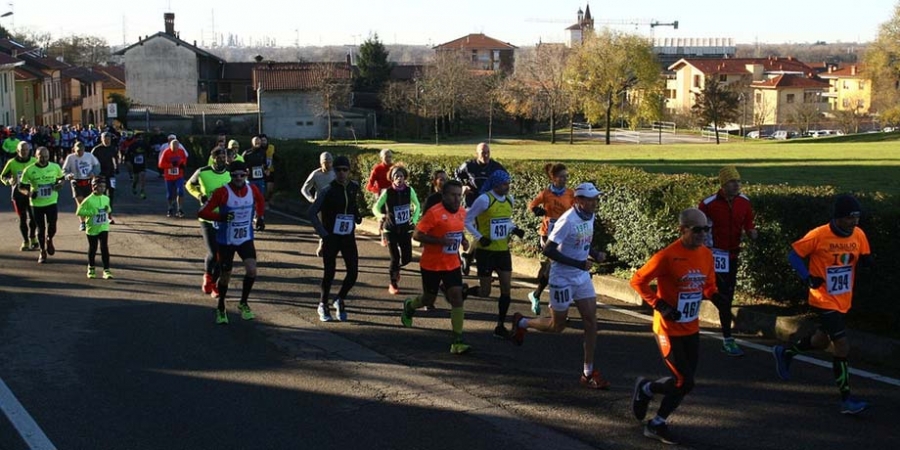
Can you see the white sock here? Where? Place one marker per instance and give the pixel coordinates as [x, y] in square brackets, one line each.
[588, 369]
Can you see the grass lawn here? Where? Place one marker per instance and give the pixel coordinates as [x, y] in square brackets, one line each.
[868, 162]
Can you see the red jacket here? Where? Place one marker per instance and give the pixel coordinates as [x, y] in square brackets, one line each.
[728, 220]
[379, 178]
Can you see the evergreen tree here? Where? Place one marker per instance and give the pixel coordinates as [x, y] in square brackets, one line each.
[374, 68]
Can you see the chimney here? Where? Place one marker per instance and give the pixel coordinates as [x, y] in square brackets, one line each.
[830, 68]
[853, 70]
[169, 19]
[349, 60]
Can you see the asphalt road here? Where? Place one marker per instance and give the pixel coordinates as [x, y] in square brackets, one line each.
[138, 363]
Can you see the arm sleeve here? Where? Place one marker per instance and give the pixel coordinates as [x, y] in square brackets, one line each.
[378, 207]
[306, 189]
[479, 206]
[313, 213]
[218, 198]
[551, 251]
[749, 223]
[798, 264]
[371, 183]
[164, 162]
[193, 185]
[640, 282]
[414, 199]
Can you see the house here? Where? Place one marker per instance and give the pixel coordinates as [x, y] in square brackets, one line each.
[484, 52]
[29, 84]
[113, 79]
[82, 96]
[583, 26]
[52, 91]
[291, 102]
[788, 98]
[849, 89]
[8, 66]
[163, 69]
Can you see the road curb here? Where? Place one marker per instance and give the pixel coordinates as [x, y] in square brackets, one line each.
[747, 319]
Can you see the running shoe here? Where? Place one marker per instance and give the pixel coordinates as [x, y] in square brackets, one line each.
[595, 381]
[82, 226]
[730, 348]
[340, 309]
[640, 401]
[782, 362]
[208, 284]
[91, 273]
[25, 246]
[406, 317]
[853, 406]
[42, 258]
[246, 312]
[107, 274]
[215, 291]
[384, 241]
[466, 265]
[34, 243]
[659, 432]
[535, 303]
[393, 289]
[111, 220]
[458, 347]
[170, 212]
[143, 196]
[319, 249]
[324, 313]
[50, 248]
[500, 332]
[518, 333]
[221, 317]
[179, 214]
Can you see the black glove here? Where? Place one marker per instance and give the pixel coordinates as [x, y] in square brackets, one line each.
[667, 311]
[358, 220]
[518, 232]
[814, 282]
[260, 224]
[229, 217]
[539, 211]
[484, 241]
[204, 199]
[33, 193]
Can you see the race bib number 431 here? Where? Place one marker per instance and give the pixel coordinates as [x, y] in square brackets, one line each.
[500, 228]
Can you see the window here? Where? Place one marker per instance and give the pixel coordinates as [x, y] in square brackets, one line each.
[474, 55]
[335, 124]
[300, 123]
[860, 103]
[846, 84]
[790, 98]
[862, 84]
[758, 97]
[723, 78]
[309, 123]
[696, 81]
[846, 103]
[348, 124]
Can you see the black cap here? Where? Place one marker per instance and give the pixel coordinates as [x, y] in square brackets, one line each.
[846, 205]
[237, 166]
[98, 179]
[341, 161]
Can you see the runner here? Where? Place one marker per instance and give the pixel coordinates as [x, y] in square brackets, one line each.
[137, 154]
[172, 162]
[473, 174]
[489, 221]
[730, 216]
[12, 176]
[257, 163]
[79, 167]
[441, 232]
[438, 178]
[317, 181]
[393, 209]
[41, 182]
[684, 275]
[233, 206]
[96, 209]
[109, 166]
[834, 250]
[337, 203]
[380, 179]
[201, 185]
[550, 204]
[569, 247]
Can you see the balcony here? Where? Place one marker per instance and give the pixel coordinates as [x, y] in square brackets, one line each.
[70, 102]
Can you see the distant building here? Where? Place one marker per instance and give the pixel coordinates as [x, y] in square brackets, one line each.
[849, 89]
[484, 52]
[8, 66]
[581, 28]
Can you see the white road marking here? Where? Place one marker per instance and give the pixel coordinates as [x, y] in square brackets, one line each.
[28, 429]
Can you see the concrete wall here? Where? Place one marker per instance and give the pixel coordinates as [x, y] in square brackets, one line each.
[158, 72]
[8, 98]
[292, 115]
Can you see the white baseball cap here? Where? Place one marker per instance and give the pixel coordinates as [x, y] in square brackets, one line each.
[172, 136]
[587, 190]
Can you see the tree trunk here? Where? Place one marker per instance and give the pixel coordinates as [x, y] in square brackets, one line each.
[571, 128]
[552, 126]
[609, 105]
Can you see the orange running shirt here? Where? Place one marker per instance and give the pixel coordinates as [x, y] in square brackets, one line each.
[438, 222]
[684, 277]
[555, 205]
[833, 258]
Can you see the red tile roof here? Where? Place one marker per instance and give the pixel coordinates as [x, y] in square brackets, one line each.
[790, 80]
[297, 76]
[114, 76]
[853, 70]
[477, 41]
[734, 66]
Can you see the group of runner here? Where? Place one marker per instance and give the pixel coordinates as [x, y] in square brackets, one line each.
[477, 204]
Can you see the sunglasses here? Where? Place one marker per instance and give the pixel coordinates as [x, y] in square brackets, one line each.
[341, 169]
[238, 174]
[699, 229]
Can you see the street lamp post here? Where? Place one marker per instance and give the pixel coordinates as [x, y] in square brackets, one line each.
[742, 99]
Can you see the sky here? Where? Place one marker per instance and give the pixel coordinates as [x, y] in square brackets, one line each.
[428, 22]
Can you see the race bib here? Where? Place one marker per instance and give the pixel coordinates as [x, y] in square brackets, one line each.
[500, 228]
[453, 248]
[44, 190]
[257, 172]
[19, 176]
[722, 261]
[138, 159]
[112, 182]
[689, 306]
[174, 171]
[401, 214]
[839, 279]
[101, 217]
[240, 231]
[561, 295]
[550, 224]
[343, 224]
[85, 170]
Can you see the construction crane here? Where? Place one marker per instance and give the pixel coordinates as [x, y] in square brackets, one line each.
[635, 22]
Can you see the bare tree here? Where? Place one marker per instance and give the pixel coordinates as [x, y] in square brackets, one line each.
[448, 89]
[538, 89]
[804, 113]
[717, 104]
[332, 83]
[398, 98]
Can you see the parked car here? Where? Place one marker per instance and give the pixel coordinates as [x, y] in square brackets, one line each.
[781, 135]
[890, 129]
[758, 135]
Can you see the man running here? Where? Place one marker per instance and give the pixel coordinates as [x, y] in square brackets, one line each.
[473, 174]
[108, 156]
[201, 185]
[79, 167]
[136, 155]
[233, 206]
[338, 206]
[549, 204]
[441, 233]
[569, 247]
[41, 182]
[12, 176]
[730, 215]
[684, 276]
[95, 209]
[380, 179]
[317, 181]
[172, 162]
[257, 163]
[834, 251]
[489, 221]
